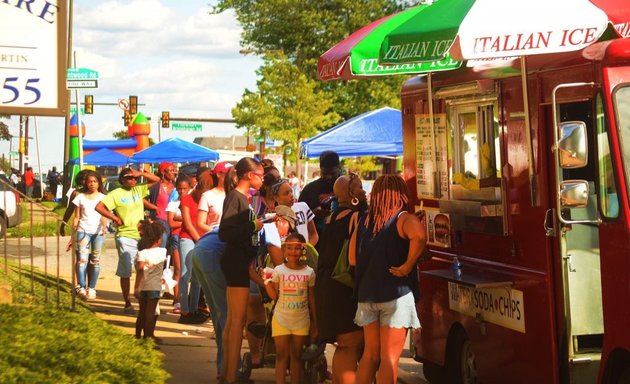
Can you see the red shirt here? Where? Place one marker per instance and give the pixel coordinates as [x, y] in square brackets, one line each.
[29, 178]
[193, 208]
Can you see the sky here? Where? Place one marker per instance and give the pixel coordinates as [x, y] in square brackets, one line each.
[172, 54]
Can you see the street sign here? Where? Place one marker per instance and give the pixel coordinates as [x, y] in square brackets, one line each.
[81, 74]
[81, 78]
[186, 126]
[123, 104]
[73, 109]
[72, 84]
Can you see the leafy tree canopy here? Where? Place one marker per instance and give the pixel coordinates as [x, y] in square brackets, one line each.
[303, 30]
[4, 129]
[287, 106]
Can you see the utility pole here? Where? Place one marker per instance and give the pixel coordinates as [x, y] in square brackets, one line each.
[20, 144]
[26, 159]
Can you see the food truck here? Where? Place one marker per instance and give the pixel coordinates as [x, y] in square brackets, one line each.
[525, 183]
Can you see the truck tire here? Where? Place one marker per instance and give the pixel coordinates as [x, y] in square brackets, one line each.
[433, 373]
[461, 366]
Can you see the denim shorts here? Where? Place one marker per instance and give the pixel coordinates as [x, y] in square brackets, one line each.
[253, 288]
[148, 295]
[127, 253]
[175, 242]
[398, 313]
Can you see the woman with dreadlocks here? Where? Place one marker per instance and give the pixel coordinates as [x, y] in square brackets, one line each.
[388, 244]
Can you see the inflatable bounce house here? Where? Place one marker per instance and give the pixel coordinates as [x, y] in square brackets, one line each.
[138, 140]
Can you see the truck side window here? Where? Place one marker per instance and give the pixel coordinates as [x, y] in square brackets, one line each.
[622, 109]
[476, 144]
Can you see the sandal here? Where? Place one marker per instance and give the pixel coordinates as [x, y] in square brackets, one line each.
[177, 309]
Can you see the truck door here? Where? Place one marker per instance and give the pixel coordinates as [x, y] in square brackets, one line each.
[578, 239]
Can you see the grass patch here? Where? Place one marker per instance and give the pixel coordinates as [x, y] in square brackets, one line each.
[43, 343]
[25, 229]
[39, 227]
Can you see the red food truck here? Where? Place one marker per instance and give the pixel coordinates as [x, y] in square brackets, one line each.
[531, 195]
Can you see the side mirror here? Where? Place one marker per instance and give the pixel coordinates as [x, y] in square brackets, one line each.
[572, 146]
[574, 194]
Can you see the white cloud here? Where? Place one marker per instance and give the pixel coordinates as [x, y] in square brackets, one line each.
[172, 54]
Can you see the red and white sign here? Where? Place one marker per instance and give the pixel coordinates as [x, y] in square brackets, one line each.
[497, 28]
[123, 104]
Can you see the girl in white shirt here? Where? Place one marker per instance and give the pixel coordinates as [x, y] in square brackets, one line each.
[148, 286]
[90, 229]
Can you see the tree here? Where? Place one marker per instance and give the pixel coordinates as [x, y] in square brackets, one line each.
[4, 129]
[303, 30]
[287, 105]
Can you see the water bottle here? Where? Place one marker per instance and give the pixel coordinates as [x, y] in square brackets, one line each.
[456, 267]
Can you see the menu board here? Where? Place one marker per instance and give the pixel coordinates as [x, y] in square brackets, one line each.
[431, 157]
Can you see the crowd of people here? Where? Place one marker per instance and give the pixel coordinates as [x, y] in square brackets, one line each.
[27, 182]
[238, 236]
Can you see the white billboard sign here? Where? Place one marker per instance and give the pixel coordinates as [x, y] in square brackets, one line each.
[33, 57]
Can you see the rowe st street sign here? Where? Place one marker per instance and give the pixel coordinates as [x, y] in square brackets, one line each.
[81, 78]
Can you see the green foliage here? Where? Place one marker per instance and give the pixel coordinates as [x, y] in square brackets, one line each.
[4, 129]
[362, 165]
[36, 230]
[287, 105]
[303, 30]
[39, 227]
[44, 344]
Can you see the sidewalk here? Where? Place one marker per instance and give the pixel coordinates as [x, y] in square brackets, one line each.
[189, 350]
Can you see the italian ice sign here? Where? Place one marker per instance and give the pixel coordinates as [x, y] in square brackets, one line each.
[33, 57]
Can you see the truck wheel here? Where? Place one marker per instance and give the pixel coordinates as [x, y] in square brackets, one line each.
[461, 361]
[433, 373]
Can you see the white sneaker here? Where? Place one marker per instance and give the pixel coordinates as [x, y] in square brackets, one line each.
[91, 293]
[81, 293]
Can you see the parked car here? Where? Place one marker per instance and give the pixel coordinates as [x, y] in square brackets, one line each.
[10, 211]
[111, 183]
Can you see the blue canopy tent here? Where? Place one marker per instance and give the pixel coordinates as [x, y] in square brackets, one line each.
[174, 150]
[374, 133]
[104, 157]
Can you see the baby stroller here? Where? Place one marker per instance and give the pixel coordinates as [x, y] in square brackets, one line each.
[313, 357]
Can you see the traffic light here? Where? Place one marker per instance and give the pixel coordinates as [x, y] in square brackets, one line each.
[127, 118]
[133, 105]
[166, 119]
[89, 104]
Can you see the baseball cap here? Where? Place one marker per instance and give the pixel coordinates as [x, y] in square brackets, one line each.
[201, 170]
[287, 214]
[188, 170]
[222, 167]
